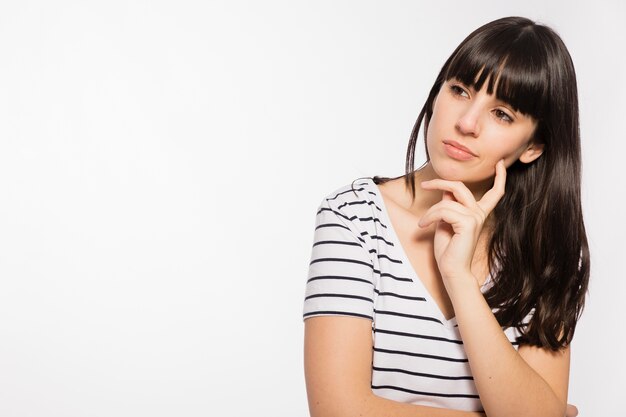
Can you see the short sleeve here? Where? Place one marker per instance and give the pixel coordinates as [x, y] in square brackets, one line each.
[341, 273]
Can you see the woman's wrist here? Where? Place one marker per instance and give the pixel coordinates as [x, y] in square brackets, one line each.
[460, 286]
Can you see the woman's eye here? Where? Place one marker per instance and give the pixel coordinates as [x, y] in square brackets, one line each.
[503, 116]
[456, 90]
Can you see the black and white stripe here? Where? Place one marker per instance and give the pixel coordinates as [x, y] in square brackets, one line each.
[358, 268]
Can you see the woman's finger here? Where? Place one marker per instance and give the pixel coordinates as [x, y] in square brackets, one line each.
[490, 198]
[447, 196]
[456, 188]
[571, 411]
[450, 212]
[448, 202]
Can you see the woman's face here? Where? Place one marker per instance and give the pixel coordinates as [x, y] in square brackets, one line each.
[470, 131]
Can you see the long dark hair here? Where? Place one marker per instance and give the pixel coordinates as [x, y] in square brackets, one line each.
[538, 252]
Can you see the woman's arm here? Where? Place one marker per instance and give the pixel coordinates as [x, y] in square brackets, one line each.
[338, 372]
[532, 382]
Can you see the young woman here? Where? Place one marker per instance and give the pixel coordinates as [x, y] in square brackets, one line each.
[454, 290]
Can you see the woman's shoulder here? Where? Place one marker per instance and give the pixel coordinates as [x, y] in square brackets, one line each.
[355, 202]
[351, 194]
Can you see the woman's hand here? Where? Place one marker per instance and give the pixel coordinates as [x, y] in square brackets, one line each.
[460, 219]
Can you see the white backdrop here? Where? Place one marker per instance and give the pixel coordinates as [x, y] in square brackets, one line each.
[161, 164]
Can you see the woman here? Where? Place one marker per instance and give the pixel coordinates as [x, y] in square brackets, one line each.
[454, 290]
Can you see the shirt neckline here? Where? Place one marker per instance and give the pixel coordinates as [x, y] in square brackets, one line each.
[450, 323]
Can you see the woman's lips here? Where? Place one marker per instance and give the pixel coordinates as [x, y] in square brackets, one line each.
[457, 151]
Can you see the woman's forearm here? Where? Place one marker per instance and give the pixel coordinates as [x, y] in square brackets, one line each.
[383, 407]
[507, 385]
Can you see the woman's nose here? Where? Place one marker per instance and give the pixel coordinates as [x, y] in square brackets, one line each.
[468, 122]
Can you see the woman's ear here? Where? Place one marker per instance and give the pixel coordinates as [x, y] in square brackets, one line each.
[532, 152]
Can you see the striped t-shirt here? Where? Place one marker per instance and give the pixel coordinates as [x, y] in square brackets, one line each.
[359, 268]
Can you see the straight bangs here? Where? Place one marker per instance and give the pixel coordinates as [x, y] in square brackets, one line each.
[515, 61]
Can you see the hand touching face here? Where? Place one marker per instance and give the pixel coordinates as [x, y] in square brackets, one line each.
[459, 219]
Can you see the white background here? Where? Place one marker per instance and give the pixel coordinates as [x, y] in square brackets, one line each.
[161, 164]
